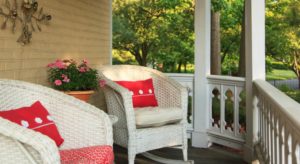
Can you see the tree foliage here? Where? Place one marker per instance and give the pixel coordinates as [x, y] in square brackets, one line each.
[283, 32]
[155, 32]
[161, 32]
[231, 31]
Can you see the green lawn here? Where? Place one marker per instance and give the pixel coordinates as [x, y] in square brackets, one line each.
[279, 74]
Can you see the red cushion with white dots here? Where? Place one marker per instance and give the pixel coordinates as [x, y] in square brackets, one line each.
[142, 92]
[34, 117]
[88, 155]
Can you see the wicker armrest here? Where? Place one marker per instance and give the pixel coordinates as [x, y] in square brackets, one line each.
[122, 100]
[124, 93]
[45, 146]
[84, 125]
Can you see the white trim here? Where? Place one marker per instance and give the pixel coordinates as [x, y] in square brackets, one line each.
[226, 78]
[255, 68]
[202, 69]
[279, 125]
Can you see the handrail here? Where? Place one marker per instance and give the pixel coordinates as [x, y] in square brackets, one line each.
[228, 80]
[279, 125]
[191, 75]
[289, 107]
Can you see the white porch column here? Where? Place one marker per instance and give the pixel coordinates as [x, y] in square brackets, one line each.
[202, 69]
[255, 68]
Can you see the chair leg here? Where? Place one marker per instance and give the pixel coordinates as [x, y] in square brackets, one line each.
[185, 149]
[185, 153]
[131, 158]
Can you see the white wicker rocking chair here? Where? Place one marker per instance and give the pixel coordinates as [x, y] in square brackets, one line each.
[169, 93]
[80, 124]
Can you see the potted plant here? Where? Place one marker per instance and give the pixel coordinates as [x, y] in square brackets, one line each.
[78, 80]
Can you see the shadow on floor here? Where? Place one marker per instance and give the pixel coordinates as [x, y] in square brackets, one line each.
[213, 155]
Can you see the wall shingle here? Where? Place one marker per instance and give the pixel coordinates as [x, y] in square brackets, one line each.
[79, 29]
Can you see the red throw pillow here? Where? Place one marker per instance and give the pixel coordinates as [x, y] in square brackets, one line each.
[142, 92]
[35, 117]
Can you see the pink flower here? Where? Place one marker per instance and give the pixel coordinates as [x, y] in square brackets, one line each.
[51, 65]
[57, 82]
[60, 64]
[85, 61]
[102, 83]
[57, 64]
[82, 69]
[66, 80]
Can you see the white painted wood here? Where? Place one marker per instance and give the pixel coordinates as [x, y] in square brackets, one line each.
[279, 127]
[236, 102]
[255, 68]
[221, 135]
[293, 148]
[226, 79]
[271, 139]
[222, 106]
[202, 69]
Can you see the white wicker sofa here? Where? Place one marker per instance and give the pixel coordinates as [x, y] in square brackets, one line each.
[80, 124]
[168, 92]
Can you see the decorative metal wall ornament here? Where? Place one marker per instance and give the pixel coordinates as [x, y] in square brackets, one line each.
[30, 18]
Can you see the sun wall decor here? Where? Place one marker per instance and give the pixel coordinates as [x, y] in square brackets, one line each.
[27, 13]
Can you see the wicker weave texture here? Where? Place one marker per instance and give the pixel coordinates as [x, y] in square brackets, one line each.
[168, 92]
[79, 123]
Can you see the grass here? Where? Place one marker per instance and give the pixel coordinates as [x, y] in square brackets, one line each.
[294, 94]
[279, 74]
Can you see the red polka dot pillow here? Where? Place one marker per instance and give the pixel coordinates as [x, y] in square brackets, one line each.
[34, 117]
[142, 92]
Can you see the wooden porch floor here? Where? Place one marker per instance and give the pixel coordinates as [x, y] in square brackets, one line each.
[213, 155]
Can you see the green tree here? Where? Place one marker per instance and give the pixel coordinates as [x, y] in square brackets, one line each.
[215, 53]
[176, 42]
[283, 32]
[231, 38]
[152, 30]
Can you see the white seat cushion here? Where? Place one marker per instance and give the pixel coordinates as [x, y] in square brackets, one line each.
[156, 116]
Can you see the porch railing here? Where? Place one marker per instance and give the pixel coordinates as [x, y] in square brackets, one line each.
[227, 110]
[279, 125]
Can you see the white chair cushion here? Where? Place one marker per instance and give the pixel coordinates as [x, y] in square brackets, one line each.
[156, 116]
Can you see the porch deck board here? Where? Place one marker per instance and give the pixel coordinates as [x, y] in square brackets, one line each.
[213, 155]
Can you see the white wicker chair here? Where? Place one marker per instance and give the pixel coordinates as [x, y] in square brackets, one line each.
[80, 124]
[168, 92]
